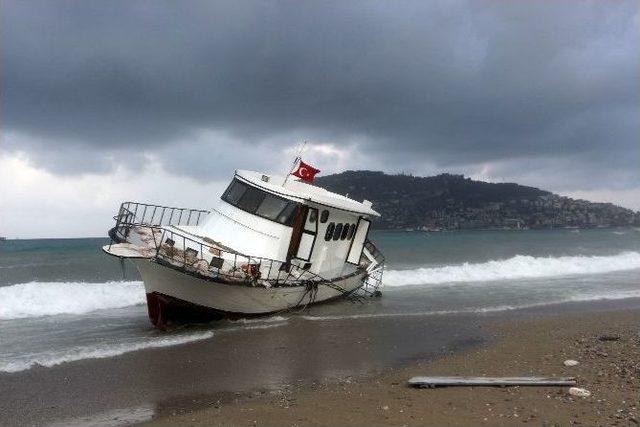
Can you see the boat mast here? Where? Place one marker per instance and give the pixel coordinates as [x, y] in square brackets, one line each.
[295, 162]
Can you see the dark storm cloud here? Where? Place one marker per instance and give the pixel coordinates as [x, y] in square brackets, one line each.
[451, 83]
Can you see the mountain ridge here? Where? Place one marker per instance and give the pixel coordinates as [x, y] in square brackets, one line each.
[449, 201]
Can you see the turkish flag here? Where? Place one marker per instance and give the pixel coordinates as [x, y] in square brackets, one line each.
[305, 172]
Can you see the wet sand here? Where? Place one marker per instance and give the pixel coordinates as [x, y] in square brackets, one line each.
[350, 372]
[243, 359]
[520, 346]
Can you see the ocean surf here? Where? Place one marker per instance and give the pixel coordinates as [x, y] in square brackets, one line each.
[516, 267]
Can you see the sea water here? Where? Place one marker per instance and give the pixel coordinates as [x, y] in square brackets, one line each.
[63, 300]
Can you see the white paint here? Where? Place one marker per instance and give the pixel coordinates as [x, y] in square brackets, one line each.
[233, 298]
[303, 192]
[246, 233]
[358, 241]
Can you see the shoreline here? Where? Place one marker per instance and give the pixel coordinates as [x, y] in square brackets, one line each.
[610, 370]
[302, 365]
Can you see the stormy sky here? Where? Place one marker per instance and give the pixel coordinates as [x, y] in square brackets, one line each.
[160, 101]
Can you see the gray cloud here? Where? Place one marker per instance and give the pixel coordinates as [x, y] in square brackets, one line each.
[423, 85]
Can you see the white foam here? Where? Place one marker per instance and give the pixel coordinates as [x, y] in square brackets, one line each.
[113, 418]
[477, 310]
[36, 299]
[100, 351]
[267, 326]
[517, 267]
[255, 323]
[252, 320]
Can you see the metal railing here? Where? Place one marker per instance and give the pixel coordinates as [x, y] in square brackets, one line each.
[374, 251]
[133, 214]
[373, 282]
[146, 226]
[211, 261]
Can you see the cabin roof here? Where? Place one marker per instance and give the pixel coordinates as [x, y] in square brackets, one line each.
[301, 191]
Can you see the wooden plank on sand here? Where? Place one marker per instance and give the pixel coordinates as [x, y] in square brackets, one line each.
[430, 382]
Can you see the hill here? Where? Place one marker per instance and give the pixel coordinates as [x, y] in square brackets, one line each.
[449, 201]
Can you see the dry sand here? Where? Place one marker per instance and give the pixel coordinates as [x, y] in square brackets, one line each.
[610, 370]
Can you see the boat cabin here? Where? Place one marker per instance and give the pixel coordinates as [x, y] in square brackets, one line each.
[290, 221]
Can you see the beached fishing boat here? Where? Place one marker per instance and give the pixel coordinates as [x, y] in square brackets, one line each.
[270, 244]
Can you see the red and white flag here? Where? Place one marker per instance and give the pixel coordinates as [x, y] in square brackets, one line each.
[305, 172]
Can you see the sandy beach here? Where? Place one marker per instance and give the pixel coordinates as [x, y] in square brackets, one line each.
[605, 343]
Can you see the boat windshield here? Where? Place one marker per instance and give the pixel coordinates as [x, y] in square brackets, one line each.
[261, 203]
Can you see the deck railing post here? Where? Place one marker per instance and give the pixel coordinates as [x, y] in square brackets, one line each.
[184, 251]
[135, 214]
[278, 275]
[162, 216]
[153, 214]
[158, 247]
[270, 267]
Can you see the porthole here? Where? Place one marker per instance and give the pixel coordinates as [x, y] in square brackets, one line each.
[313, 215]
[337, 232]
[329, 234]
[352, 231]
[345, 232]
[324, 216]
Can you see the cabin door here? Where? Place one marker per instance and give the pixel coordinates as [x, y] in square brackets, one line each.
[357, 244]
[303, 237]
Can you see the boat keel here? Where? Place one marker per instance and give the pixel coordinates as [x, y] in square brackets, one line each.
[163, 310]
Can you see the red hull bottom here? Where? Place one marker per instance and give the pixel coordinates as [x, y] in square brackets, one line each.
[164, 310]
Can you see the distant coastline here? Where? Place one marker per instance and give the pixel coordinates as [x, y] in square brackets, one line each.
[453, 202]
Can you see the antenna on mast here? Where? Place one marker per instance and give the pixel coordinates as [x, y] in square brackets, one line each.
[295, 162]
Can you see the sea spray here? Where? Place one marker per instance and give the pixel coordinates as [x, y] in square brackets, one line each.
[517, 267]
[36, 299]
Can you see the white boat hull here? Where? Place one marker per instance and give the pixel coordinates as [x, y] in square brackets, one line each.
[234, 298]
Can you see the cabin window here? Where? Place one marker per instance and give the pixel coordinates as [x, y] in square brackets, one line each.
[233, 193]
[313, 215]
[251, 199]
[345, 232]
[260, 203]
[288, 214]
[271, 207]
[352, 231]
[324, 216]
[337, 232]
[329, 234]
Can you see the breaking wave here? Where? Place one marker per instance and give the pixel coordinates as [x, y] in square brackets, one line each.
[97, 352]
[517, 267]
[35, 299]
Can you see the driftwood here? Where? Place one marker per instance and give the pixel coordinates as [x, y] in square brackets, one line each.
[431, 382]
